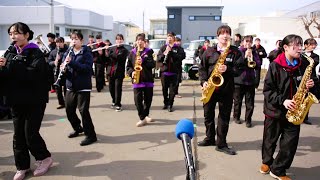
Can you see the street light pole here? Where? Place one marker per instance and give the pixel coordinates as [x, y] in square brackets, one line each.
[51, 26]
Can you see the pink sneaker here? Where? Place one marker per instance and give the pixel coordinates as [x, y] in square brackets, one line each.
[20, 174]
[43, 166]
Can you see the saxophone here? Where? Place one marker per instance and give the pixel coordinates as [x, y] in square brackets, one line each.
[215, 79]
[303, 102]
[137, 68]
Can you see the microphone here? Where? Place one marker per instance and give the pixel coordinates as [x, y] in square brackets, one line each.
[184, 132]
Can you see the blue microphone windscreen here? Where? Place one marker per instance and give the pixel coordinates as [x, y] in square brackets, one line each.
[184, 126]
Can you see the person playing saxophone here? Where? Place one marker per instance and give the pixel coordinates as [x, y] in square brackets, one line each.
[281, 84]
[222, 94]
[139, 67]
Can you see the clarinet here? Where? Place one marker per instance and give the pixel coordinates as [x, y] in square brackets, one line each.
[62, 71]
[56, 72]
[8, 50]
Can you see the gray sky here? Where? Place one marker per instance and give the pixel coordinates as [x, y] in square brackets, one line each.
[132, 10]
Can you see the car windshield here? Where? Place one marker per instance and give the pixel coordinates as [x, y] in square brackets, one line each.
[156, 44]
[194, 45]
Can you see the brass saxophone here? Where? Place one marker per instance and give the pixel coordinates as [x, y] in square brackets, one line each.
[137, 68]
[215, 79]
[303, 102]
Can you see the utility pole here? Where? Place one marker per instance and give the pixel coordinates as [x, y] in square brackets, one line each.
[143, 21]
[51, 26]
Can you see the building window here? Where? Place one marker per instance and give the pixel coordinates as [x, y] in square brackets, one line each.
[206, 37]
[217, 18]
[171, 16]
[204, 18]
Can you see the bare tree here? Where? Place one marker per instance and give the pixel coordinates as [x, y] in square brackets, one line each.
[314, 20]
[307, 23]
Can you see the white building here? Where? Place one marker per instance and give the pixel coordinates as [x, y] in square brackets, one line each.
[37, 14]
[274, 27]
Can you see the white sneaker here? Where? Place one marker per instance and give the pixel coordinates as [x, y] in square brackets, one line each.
[149, 119]
[43, 166]
[141, 123]
[20, 174]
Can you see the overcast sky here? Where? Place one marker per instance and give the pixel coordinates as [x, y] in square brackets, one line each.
[132, 10]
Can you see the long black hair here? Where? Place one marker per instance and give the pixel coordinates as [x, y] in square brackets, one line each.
[22, 28]
[290, 39]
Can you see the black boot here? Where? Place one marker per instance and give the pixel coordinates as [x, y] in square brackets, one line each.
[76, 132]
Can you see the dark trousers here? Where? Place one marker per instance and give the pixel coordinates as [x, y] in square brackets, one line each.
[82, 101]
[179, 80]
[289, 138]
[248, 92]
[168, 82]
[99, 76]
[61, 91]
[27, 122]
[225, 105]
[115, 88]
[257, 78]
[143, 100]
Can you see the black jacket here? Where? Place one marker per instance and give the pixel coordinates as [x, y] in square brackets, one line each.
[147, 64]
[173, 60]
[25, 76]
[233, 61]
[281, 83]
[260, 51]
[248, 75]
[79, 70]
[116, 61]
[52, 58]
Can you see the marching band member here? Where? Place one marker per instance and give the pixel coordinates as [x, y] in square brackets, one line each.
[25, 73]
[179, 74]
[237, 40]
[141, 57]
[78, 71]
[170, 56]
[204, 48]
[116, 71]
[280, 84]
[262, 54]
[273, 54]
[309, 45]
[245, 83]
[55, 60]
[99, 60]
[222, 94]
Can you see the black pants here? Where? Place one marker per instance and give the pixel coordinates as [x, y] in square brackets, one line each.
[257, 78]
[61, 91]
[225, 105]
[179, 80]
[115, 88]
[143, 100]
[27, 122]
[99, 76]
[289, 138]
[168, 82]
[82, 101]
[248, 92]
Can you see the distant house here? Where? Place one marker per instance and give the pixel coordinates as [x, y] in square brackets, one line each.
[193, 20]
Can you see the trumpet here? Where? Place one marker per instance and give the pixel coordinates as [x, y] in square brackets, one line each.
[43, 46]
[251, 62]
[62, 71]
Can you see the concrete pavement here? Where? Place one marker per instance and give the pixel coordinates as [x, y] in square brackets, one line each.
[125, 152]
